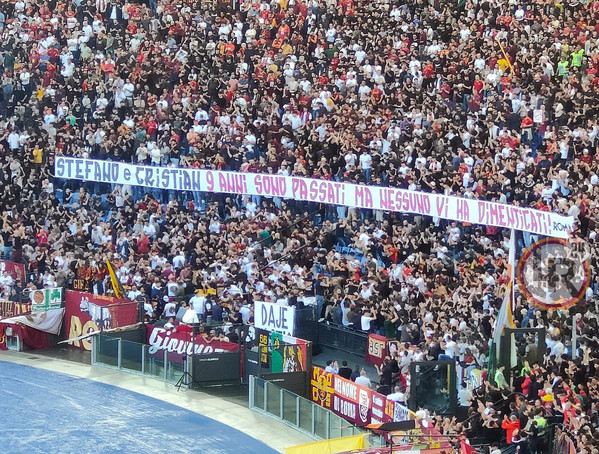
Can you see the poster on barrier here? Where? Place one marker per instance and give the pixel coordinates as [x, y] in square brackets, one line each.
[276, 352]
[85, 313]
[321, 387]
[12, 308]
[263, 340]
[351, 401]
[381, 409]
[179, 343]
[358, 404]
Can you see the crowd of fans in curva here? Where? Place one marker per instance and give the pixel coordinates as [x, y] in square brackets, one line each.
[483, 99]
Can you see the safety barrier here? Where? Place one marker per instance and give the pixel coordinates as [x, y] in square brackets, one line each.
[133, 357]
[301, 414]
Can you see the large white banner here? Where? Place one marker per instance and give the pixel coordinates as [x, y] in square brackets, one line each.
[274, 317]
[49, 321]
[321, 191]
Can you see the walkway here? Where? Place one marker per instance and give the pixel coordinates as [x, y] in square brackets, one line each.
[143, 414]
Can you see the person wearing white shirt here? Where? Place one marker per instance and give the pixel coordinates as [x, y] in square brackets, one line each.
[366, 165]
[198, 303]
[363, 379]
[190, 317]
[245, 312]
[365, 321]
[169, 308]
[179, 260]
[397, 396]
[350, 159]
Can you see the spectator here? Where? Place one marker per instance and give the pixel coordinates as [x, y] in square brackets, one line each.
[345, 371]
[511, 425]
[356, 373]
[332, 367]
[363, 379]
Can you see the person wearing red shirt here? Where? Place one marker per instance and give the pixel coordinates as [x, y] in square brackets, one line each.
[143, 244]
[376, 94]
[152, 127]
[586, 157]
[510, 425]
[526, 126]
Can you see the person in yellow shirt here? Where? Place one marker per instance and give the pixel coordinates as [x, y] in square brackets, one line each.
[286, 48]
[37, 156]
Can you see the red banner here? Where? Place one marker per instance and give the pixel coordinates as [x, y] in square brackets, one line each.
[376, 350]
[381, 409]
[3, 337]
[31, 337]
[11, 308]
[85, 313]
[354, 402]
[179, 343]
[15, 270]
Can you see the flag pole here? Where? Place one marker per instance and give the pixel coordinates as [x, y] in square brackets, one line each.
[512, 255]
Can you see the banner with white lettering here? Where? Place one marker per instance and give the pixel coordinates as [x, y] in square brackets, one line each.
[274, 317]
[354, 402]
[320, 191]
[181, 342]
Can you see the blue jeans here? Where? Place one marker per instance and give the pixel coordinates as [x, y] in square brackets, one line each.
[7, 252]
[319, 305]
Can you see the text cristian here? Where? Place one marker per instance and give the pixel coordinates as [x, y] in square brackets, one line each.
[160, 340]
[461, 209]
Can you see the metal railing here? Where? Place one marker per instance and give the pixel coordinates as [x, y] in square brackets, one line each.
[133, 357]
[343, 339]
[301, 414]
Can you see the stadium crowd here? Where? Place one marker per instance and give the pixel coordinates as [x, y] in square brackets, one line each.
[483, 99]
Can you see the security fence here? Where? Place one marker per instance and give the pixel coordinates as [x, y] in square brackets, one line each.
[128, 356]
[301, 414]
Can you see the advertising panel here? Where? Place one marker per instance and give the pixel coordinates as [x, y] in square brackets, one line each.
[45, 299]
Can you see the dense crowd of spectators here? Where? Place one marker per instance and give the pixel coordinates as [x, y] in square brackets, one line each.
[483, 99]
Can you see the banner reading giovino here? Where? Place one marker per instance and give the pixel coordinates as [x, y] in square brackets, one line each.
[320, 191]
[179, 343]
